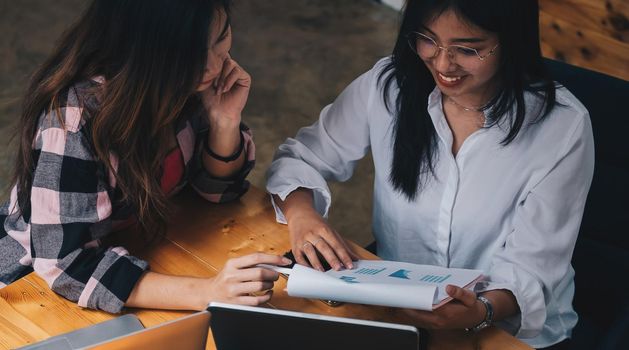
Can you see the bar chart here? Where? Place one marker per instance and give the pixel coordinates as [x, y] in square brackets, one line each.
[367, 271]
[434, 278]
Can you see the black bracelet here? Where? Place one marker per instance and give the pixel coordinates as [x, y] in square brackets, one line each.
[229, 158]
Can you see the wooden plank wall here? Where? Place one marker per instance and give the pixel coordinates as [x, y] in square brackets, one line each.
[593, 34]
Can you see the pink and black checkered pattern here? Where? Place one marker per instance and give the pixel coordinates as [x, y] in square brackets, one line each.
[74, 205]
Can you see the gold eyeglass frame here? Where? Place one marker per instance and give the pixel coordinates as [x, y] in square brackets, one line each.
[412, 35]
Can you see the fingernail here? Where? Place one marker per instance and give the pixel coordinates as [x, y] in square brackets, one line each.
[287, 261]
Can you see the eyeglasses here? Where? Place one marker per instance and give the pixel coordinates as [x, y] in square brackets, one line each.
[426, 48]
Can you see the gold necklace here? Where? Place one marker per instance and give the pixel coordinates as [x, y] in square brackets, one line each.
[467, 109]
[480, 112]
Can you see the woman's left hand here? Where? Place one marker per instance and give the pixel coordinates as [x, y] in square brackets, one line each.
[226, 97]
[462, 312]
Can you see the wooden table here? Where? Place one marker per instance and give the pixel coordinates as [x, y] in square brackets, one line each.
[200, 239]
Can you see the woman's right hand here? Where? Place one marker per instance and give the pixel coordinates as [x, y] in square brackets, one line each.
[240, 281]
[310, 233]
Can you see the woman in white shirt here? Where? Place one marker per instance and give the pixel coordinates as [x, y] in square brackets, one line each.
[481, 161]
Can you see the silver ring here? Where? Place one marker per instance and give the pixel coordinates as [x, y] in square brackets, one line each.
[317, 241]
[305, 244]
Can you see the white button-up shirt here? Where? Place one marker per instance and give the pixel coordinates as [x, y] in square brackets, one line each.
[513, 211]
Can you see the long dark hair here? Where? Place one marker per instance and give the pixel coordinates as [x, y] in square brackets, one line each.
[521, 69]
[152, 54]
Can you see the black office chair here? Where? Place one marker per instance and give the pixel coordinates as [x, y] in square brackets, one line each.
[601, 256]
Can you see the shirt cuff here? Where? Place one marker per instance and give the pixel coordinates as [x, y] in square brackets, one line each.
[112, 282]
[218, 190]
[321, 202]
[529, 295]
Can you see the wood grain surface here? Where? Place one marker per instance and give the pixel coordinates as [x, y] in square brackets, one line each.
[592, 34]
[198, 243]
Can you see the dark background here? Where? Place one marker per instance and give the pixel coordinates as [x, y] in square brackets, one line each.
[300, 53]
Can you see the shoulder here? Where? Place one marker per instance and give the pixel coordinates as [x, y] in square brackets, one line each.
[382, 63]
[382, 69]
[72, 107]
[568, 101]
[570, 113]
[567, 113]
[370, 85]
[377, 72]
[565, 127]
[384, 79]
[62, 129]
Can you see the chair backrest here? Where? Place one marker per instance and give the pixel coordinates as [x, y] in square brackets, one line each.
[601, 257]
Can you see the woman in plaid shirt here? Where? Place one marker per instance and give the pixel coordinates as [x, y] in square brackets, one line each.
[134, 89]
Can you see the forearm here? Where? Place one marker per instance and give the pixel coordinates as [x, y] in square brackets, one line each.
[239, 282]
[158, 291]
[297, 201]
[503, 303]
[223, 141]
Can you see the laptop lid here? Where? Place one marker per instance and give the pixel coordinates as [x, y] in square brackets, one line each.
[185, 333]
[245, 327]
[89, 335]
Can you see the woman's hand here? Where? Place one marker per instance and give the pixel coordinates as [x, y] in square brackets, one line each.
[240, 282]
[463, 312]
[310, 233]
[226, 97]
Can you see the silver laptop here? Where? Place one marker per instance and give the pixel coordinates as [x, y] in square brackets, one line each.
[237, 327]
[126, 332]
[90, 335]
[185, 333]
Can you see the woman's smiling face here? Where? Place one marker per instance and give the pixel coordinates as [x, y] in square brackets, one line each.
[472, 84]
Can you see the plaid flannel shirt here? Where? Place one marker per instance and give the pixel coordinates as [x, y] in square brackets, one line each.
[73, 206]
